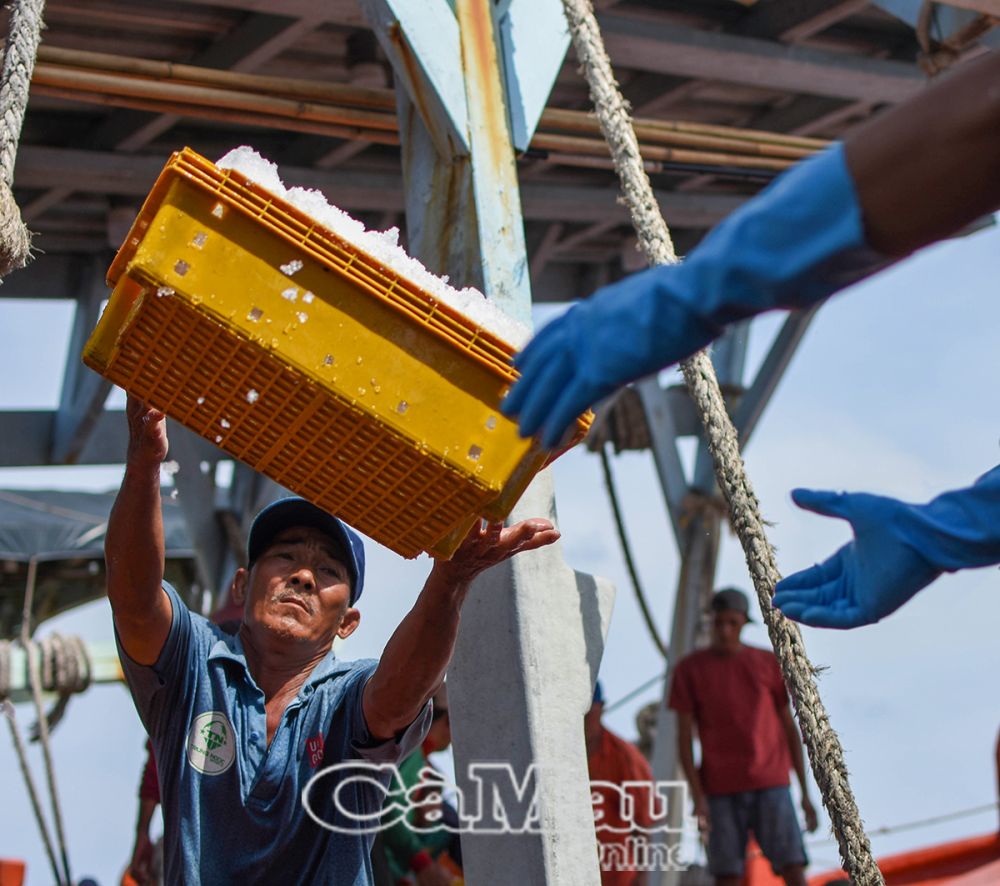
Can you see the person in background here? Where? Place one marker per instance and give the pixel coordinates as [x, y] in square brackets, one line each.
[414, 855]
[830, 221]
[614, 762]
[734, 696]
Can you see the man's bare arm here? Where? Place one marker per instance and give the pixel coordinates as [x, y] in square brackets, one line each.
[928, 167]
[417, 655]
[685, 752]
[134, 548]
[798, 762]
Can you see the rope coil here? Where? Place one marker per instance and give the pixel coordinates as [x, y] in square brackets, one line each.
[825, 752]
[64, 665]
[23, 36]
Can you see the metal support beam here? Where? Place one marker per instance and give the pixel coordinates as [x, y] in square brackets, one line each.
[792, 20]
[27, 439]
[664, 434]
[534, 38]
[422, 43]
[257, 39]
[106, 172]
[759, 394]
[643, 42]
[83, 390]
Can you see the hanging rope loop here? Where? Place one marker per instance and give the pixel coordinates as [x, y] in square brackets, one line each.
[23, 36]
[825, 753]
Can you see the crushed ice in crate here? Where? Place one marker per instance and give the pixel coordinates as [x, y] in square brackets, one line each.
[224, 423]
[252, 396]
[382, 246]
[218, 438]
[292, 267]
[200, 401]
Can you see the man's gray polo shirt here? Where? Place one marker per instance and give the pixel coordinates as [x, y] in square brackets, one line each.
[232, 805]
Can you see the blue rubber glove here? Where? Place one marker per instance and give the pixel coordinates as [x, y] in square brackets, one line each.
[898, 550]
[797, 242]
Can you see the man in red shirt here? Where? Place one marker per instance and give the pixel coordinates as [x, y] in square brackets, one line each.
[735, 696]
[616, 764]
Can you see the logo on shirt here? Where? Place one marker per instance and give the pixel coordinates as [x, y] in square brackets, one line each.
[211, 747]
[314, 750]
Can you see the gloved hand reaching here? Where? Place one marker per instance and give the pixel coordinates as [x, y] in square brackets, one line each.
[797, 242]
[898, 549]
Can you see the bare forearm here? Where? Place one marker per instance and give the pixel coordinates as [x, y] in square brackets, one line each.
[416, 657]
[685, 752]
[134, 546]
[798, 760]
[146, 810]
[929, 166]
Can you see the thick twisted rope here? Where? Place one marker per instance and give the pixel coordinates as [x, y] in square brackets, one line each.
[35, 681]
[23, 35]
[825, 753]
[60, 664]
[63, 664]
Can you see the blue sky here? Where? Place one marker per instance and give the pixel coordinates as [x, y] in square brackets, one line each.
[894, 390]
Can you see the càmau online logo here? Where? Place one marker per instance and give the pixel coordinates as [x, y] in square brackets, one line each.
[496, 801]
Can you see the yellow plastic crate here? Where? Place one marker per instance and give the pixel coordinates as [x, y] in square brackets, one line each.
[363, 394]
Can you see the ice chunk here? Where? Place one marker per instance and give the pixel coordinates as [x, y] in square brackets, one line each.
[224, 423]
[164, 291]
[201, 401]
[290, 294]
[252, 396]
[382, 246]
[246, 160]
[292, 267]
[170, 468]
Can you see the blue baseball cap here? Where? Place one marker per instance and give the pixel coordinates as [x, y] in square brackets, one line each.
[294, 511]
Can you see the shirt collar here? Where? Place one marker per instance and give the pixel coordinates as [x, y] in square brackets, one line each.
[229, 647]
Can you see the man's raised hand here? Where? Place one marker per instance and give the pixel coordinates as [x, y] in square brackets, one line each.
[147, 433]
[488, 544]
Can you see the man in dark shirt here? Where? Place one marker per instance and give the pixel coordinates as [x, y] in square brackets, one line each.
[735, 696]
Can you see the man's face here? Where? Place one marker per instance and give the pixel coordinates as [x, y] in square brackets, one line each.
[726, 627]
[299, 588]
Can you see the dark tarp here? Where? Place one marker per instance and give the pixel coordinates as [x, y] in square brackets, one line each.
[65, 531]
